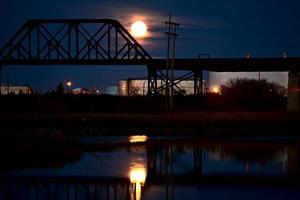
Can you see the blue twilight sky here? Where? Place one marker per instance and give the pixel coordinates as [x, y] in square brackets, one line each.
[221, 28]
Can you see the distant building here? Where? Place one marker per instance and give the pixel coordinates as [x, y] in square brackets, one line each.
[16, 89]
[93, 91]
[79, 91]
[139, 87]
[111, 90]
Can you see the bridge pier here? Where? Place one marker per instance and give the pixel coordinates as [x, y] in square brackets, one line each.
[198, 83]
[152, 81]
[293, 101]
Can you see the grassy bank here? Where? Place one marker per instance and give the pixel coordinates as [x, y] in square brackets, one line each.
[51, 103]
[212, 124]
[41, 139]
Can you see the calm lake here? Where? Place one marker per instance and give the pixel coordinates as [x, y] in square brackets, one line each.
[139, 167]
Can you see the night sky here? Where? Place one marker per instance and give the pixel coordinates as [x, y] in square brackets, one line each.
[265, 28]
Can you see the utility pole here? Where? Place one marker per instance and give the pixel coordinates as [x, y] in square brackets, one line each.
[171, 33]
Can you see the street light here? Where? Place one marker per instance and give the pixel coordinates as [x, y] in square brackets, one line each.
[69, 84]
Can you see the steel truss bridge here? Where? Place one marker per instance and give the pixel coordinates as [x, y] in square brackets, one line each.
[107, 42]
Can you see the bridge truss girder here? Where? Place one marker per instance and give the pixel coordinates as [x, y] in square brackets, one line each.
[71, 41]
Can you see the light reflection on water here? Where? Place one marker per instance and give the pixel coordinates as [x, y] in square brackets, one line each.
[175, 170]
[138, 138]
[138, 169]
[137, 179]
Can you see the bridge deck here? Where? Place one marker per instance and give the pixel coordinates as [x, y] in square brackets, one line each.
[209, 64]
[233, 64]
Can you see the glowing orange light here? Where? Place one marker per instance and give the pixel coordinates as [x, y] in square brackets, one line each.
[216, 90]
[138, 138]
[139, 29]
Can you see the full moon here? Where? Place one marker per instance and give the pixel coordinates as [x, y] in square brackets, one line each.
[139, 29]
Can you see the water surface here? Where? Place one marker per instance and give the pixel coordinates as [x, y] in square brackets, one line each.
[164, 168]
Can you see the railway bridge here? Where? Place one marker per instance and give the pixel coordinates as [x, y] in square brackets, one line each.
[106, 42]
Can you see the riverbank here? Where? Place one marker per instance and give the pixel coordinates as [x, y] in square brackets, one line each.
[44, 138]
[205, 124]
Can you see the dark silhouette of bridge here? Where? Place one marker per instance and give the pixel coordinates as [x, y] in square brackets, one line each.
[107, 42]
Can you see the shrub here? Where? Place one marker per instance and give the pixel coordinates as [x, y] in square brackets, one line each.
[254, 93]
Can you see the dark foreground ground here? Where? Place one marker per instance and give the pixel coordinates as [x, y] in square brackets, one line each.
[207, 116]
[53, 103]
[203, 124]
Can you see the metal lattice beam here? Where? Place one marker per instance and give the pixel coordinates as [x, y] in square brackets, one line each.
[76, 41]
[155, 75]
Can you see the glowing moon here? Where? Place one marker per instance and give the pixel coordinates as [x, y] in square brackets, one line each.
[139, 29]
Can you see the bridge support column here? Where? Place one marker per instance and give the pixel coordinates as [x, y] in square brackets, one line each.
[152, 81]
[198, 83]
[293, 102]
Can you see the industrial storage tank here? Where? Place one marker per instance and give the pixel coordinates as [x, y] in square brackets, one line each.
[111, 90]
[216, 79]
[132, 87]
[122, 88]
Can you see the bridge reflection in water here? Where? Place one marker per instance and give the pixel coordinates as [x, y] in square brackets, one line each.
[167, 168]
